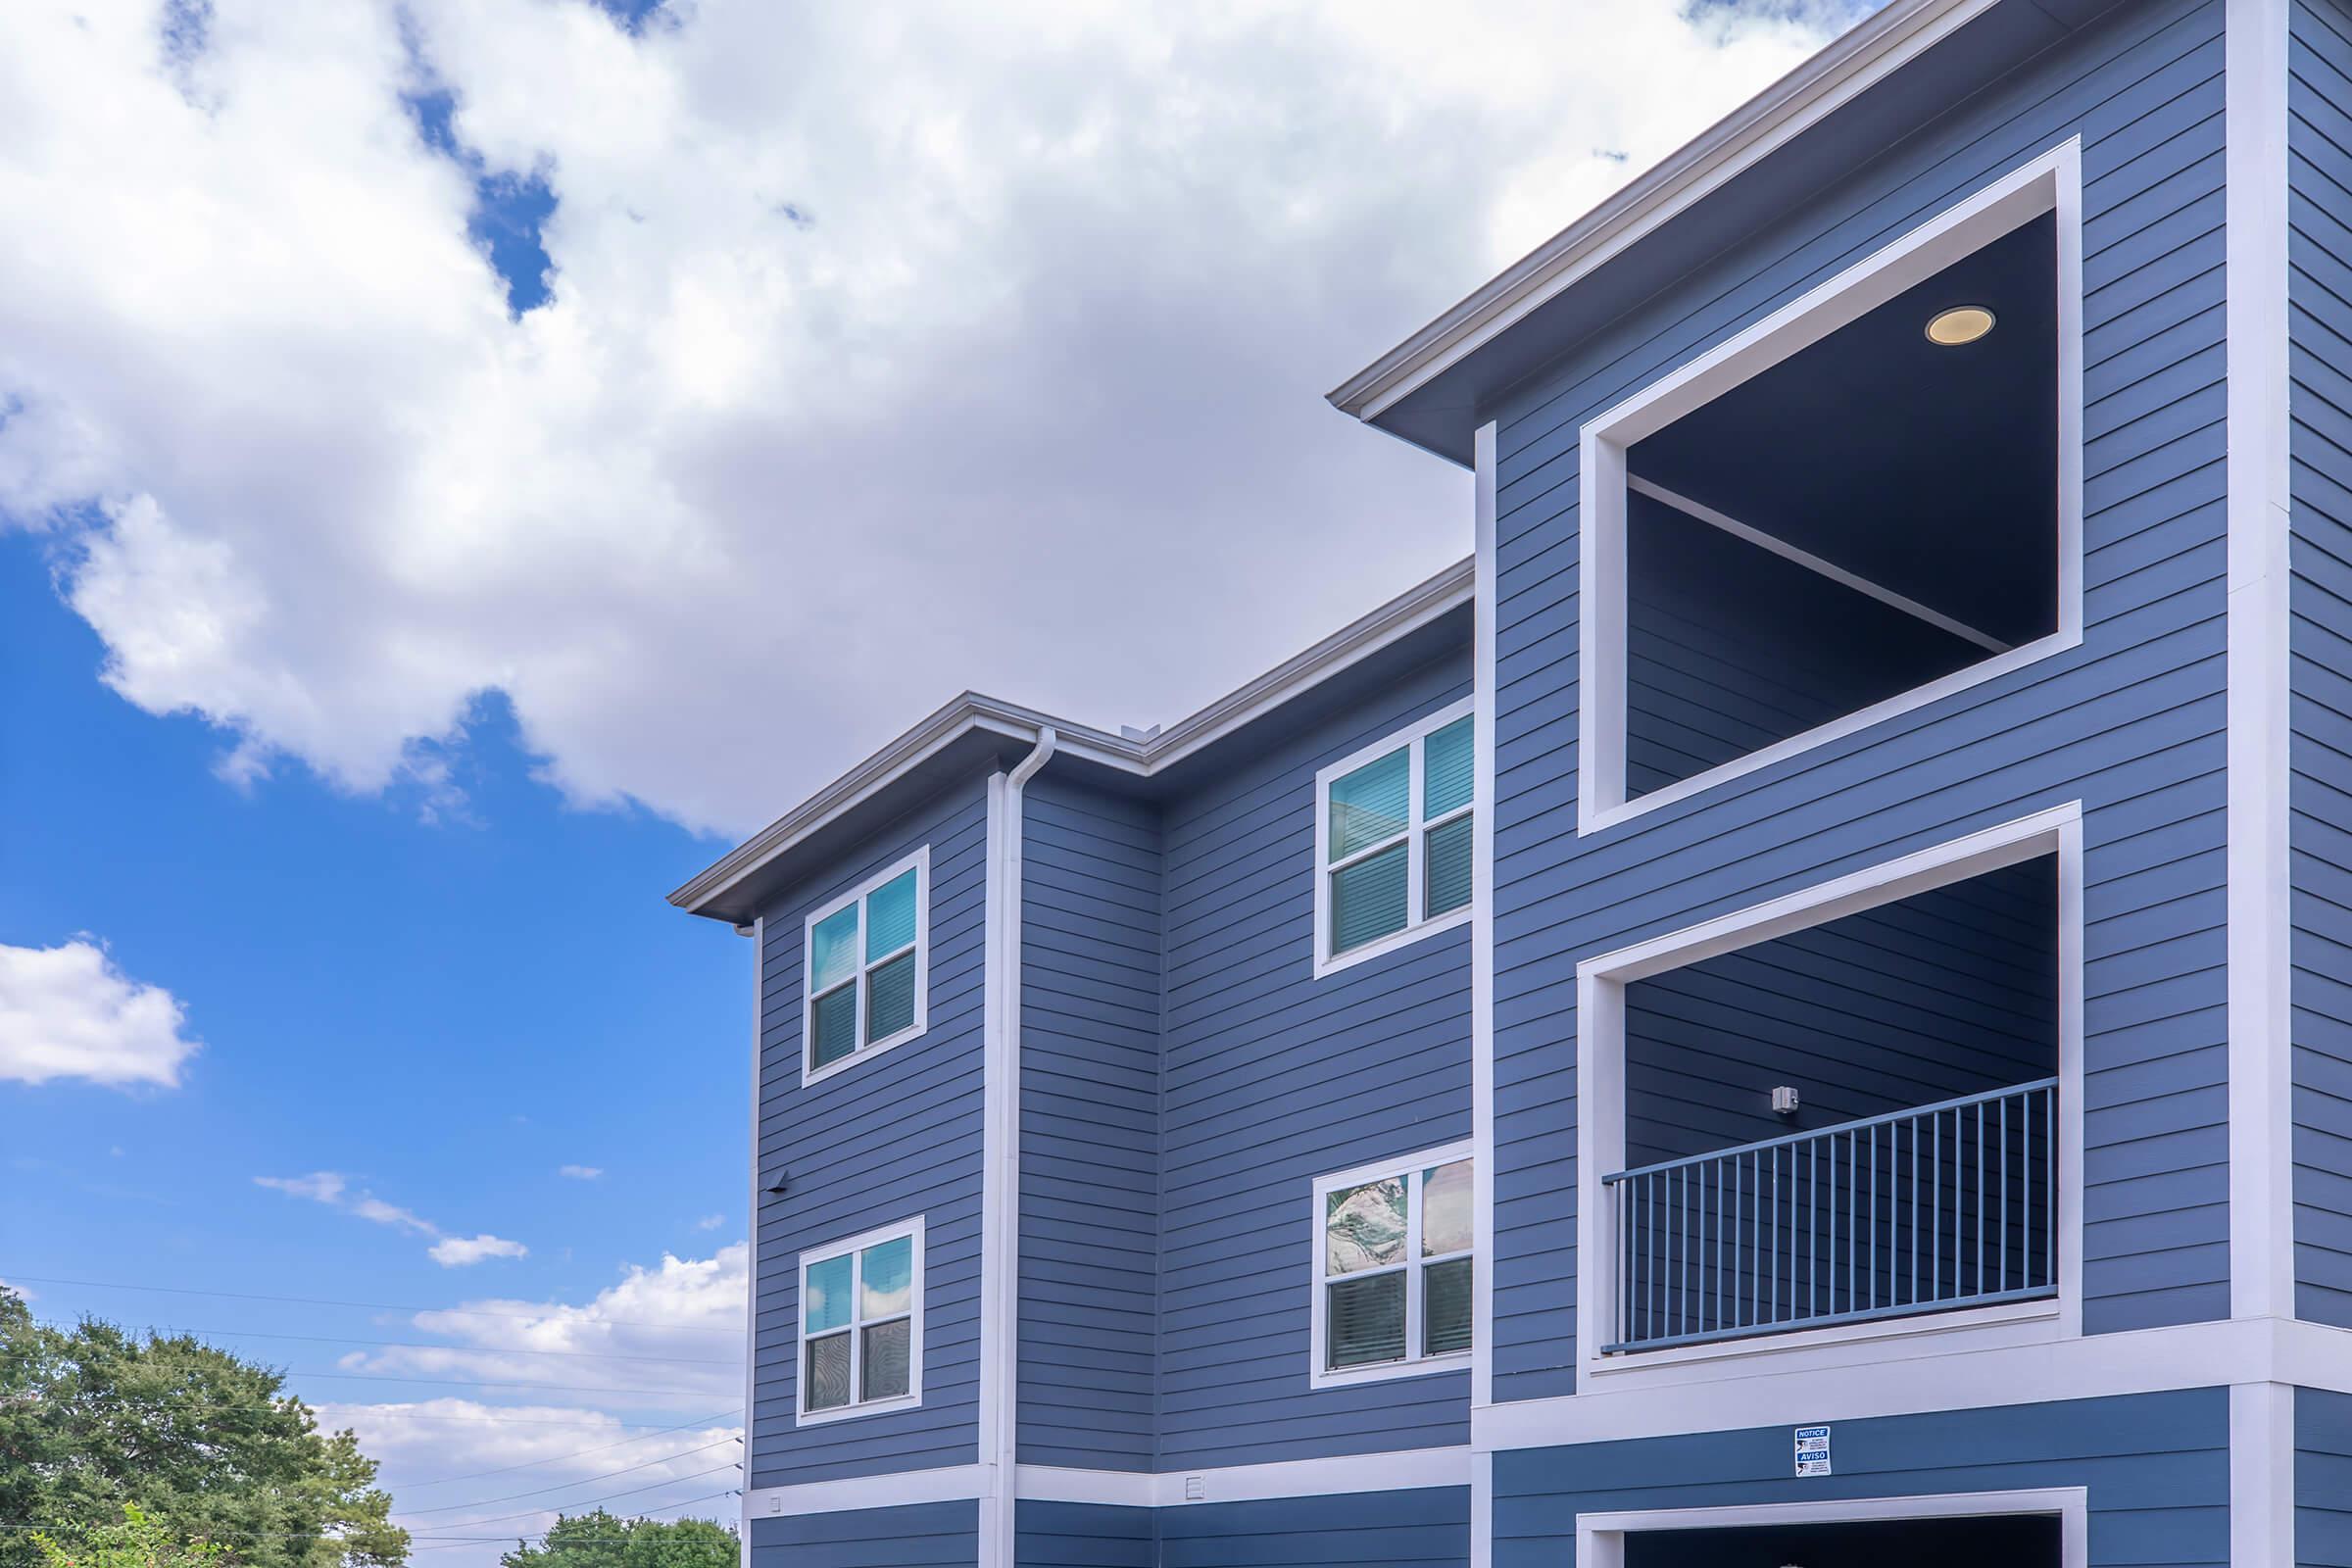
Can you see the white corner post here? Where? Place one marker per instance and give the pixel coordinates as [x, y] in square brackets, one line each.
[750, 1262]
[2260, 1017]
[1001, 1155]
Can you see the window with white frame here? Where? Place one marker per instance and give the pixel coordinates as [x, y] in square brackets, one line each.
[1394, 826]
[862, 1324]
[1862, 503]
[1393, 1267]
[867, 966]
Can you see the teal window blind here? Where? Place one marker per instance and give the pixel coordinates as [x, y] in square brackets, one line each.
[1396, 1266]
[865, 968]
[1397, 837]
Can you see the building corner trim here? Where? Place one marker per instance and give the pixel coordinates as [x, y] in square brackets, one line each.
[2262, 1265]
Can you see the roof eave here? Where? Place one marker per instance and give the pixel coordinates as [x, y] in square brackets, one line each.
[1399, 617]
[1863, 55]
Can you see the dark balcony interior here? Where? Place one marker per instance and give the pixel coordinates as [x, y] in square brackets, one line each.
[1918, 1171]
[2011, 1541]
[1930, 470]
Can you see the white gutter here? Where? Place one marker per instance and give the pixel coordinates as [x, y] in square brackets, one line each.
[1001, 1155]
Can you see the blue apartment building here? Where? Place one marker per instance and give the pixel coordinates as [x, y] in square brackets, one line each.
[1796, 1008]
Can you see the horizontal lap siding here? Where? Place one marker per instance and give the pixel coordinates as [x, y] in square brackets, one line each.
[1090, 1127]
[876, 1142]
[2320, 642]
[1270, 1078]
[1082, 1534]
[924, 1535]
[2130, 723]
[2156, 1468]
[1949, 993]
[1427, 1527]
[2323, 1479]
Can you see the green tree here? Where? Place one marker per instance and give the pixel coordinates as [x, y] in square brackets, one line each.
[598, 1540]
[138, 1540]
[208, 1447]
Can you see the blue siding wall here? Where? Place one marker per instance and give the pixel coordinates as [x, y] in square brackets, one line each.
[925, 1535]
[1090, 1127]
[2130, 723]
[1947, 993]
[2320, 602]
[1271, 1078]
[879, 1142]
[2323, 1479]
[1425, 1528]
[2156, 1465]
[1082, 1534]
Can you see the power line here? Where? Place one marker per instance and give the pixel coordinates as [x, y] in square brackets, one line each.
[375, 1306]
[441, 1541]
[481, 1383]
[565, 1485]
[583, 1502]
[427, 1345]
[581, 1453]
[406, 1411]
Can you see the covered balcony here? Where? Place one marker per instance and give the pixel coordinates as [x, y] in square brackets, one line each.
[1856, 1120]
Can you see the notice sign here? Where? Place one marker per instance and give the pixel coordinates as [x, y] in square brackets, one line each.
[1812, 1450]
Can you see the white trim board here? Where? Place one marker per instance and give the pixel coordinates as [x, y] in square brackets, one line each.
[2259, 982]
[750, 1262]
[1481, 925]
[1601, 1112]
[2050, 184]
[1600, 1537]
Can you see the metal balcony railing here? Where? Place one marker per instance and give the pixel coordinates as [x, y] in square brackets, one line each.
[1921, 1210]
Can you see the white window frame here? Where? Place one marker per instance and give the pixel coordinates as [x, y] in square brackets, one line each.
[913, 1398]
[1600, 984]
[920, 863]
[2051, 183]
[1600, 1537]
[1415, 836]
[1415, 1363]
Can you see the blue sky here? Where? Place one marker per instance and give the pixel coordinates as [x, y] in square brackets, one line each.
[461, 465]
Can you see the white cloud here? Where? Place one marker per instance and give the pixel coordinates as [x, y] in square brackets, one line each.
[457, 1252]
[553, 1455]
[319, 1186]
[581, 1173]
[69, 1013]
[333, 1189]
[863, 327]
[674, 1332]
[709, 1222]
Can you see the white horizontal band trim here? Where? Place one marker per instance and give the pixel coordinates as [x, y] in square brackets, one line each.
[1812, 563]
[2235, 1352]
[947, 1484]
[2192, 1355]
[1336, 1476]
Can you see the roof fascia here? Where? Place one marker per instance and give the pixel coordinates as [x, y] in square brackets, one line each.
[1857, 60]
[1399, 617]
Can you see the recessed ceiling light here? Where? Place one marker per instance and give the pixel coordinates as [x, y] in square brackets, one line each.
[1961, 324]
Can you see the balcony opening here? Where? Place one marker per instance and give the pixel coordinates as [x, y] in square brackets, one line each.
[2016, 1541]
[1857, 1119]
[1865, 503]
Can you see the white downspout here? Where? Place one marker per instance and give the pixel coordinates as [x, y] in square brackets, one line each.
[1001, 1180]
